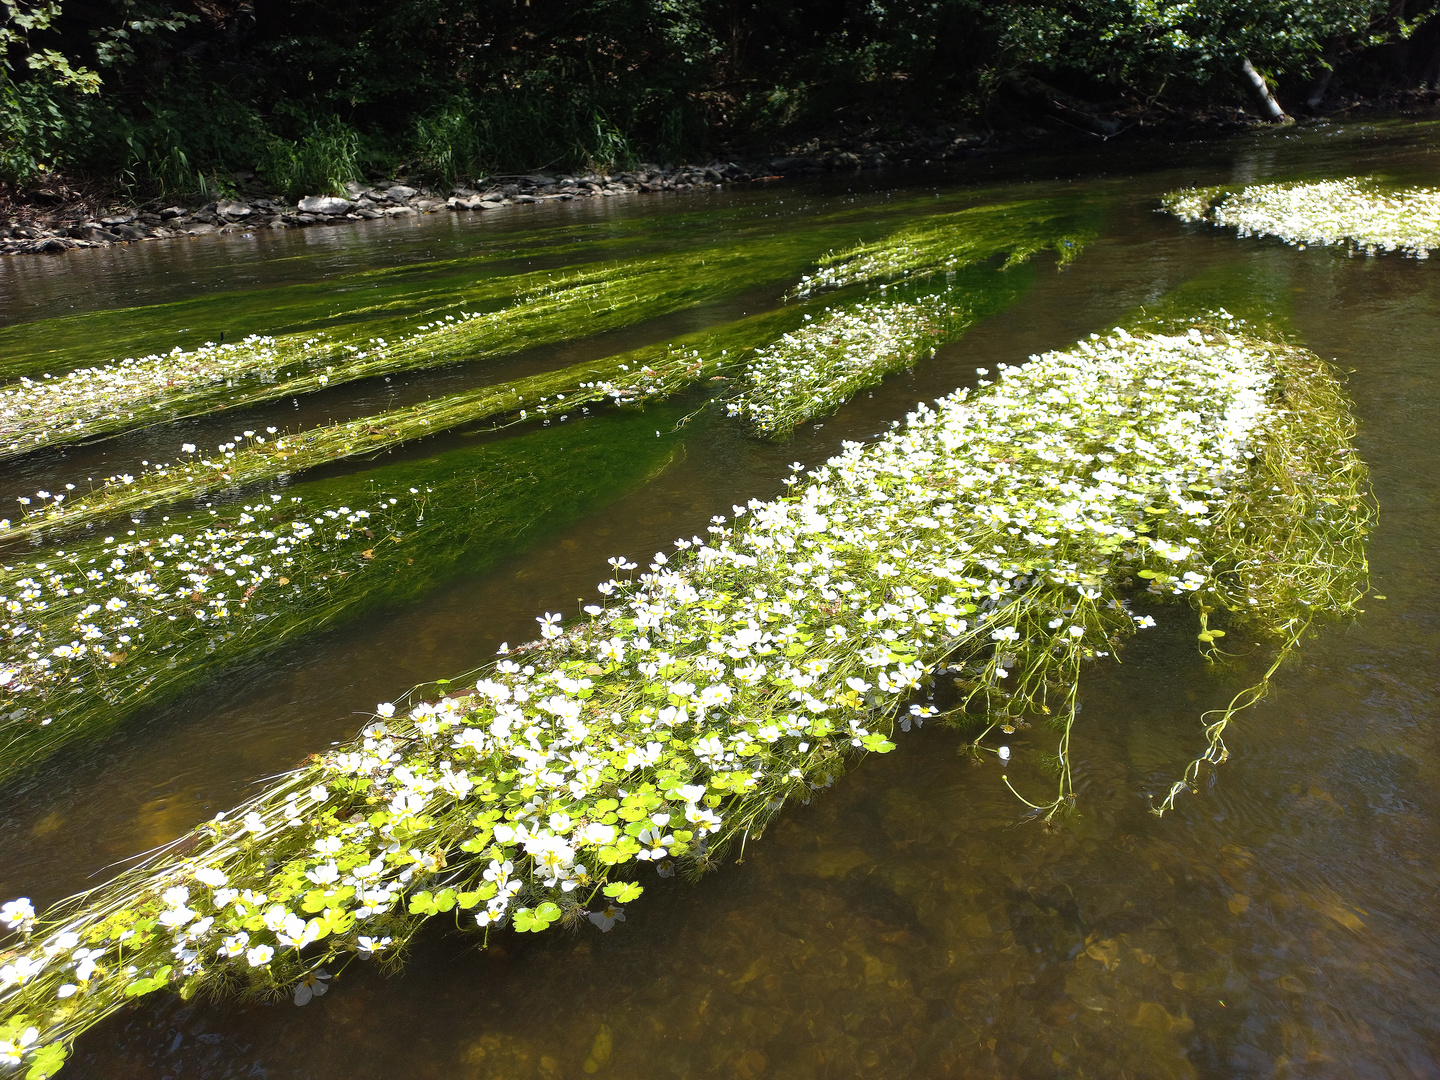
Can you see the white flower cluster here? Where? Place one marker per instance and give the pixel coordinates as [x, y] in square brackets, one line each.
[81, 630]
[822, 365]
[995, 531]
[251, 457]
[36, 412]
[1352, 211]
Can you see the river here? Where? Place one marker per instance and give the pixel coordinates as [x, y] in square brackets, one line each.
[909, 922]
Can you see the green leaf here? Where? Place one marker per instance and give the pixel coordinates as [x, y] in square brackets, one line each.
[1147, 574]
[877, 743]
[46, 1061]
[532, 921]
[145, 986]
[622, 892]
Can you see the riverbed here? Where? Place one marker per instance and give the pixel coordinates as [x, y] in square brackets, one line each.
[909, 922]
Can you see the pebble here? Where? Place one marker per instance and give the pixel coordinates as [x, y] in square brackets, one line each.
[394, 199]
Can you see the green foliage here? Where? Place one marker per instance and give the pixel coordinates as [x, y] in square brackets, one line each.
[308, 92]
[321, 162]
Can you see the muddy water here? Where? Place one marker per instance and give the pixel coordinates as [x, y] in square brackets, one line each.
[1282, 922]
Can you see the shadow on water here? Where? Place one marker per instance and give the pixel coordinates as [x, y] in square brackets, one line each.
[907, 924]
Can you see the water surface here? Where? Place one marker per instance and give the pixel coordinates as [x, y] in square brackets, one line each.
[908, 923]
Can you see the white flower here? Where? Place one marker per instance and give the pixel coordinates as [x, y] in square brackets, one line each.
[19, 970]
[607, 917]
[212, 876]
[597, 833]
[313, 985]
[18, 914]
[260, 956]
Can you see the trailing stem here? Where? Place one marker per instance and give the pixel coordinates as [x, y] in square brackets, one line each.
[999, 534]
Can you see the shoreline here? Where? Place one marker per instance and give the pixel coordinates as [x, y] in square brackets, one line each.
[77, 227]
[82, 222]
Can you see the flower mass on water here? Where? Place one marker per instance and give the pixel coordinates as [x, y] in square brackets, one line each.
[106, 624]
[1355, 211]
[997, 540]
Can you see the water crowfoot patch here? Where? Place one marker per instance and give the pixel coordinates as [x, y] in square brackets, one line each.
[820, 366]
[999, 540]
[128, 394]
[92, 633]
[253, 457]
[87, 634]
[1355, 212]
[947, 242]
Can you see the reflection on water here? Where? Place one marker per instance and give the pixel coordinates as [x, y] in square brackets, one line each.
[906, 924]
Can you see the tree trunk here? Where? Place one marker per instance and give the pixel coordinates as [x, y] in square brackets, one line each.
[1268, 104]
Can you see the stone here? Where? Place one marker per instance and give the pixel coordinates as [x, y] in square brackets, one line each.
[233, 210]
[327, 205]
[368, 213]
[490, 204]
[399, 211]
[171, 212]
[399, 192]
[200, 229]
[118, 219]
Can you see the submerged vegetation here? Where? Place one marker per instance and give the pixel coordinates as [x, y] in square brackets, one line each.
[91, 632]
[995, 543]
[1355, 212]
[789, 379]
[536, 308]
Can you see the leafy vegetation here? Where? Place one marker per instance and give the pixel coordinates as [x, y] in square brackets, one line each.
[91, 632]
[172, 96]
[980, 540]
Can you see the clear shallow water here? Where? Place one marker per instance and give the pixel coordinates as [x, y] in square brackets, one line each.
[905, 924]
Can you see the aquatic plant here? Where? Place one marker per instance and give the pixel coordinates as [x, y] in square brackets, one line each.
[787, 379]
[961, 238]
[92, 633]
[134, 393]
[995, 541]
[1355, 212]
[824, 362]
[533, 309]
[252, 457]
[96, 629]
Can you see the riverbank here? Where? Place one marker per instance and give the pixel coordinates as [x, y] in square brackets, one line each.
[89, 219]
[77, 218]
[81, 222]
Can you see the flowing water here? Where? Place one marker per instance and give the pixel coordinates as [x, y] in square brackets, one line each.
[908, 922]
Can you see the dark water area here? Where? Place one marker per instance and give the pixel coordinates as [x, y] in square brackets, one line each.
[908, 922]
